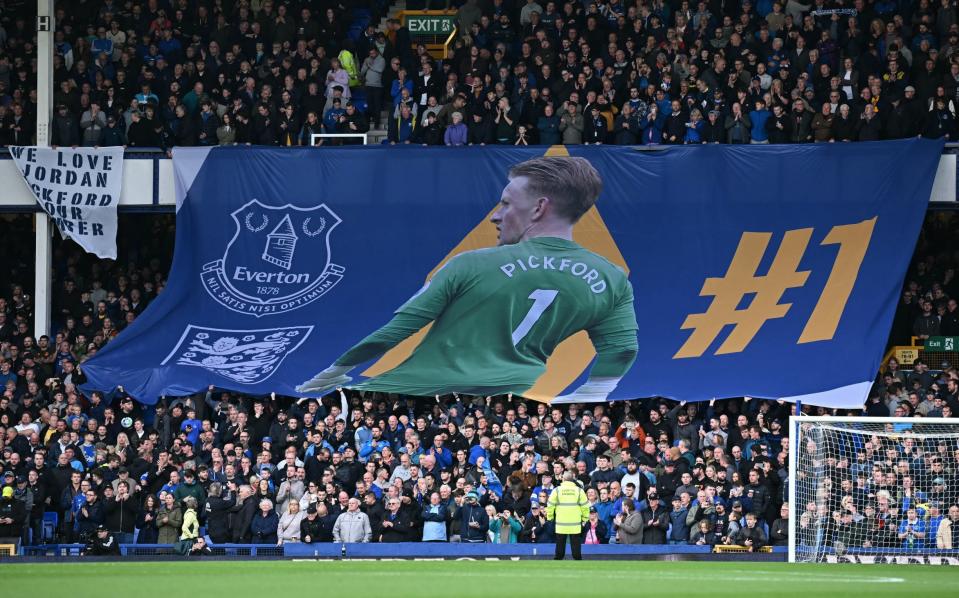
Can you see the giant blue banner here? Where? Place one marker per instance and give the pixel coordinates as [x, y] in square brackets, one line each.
[701, 272]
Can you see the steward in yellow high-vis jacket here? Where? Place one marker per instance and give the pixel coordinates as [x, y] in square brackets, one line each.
[568, 507]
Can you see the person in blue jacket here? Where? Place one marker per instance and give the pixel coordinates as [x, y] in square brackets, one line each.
[265, 523]
[653, 126]
[434, 517]
[474, 520]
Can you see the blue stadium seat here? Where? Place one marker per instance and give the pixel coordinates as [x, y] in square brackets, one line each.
[48, 529]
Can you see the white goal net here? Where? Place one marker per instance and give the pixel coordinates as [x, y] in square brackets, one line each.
[874, 490]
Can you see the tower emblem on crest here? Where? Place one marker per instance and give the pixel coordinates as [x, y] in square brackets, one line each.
[279, 259]
[280, 244]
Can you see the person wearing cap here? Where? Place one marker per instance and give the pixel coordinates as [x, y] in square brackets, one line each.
[112, 135]
[474, 520]
[655, 520]
[536, 528]
[13, 515]
[104, 543]
[317, 525]
[569, 508]
[66, 129]
[594, 529]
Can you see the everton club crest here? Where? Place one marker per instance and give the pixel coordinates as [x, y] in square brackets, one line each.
[278, 260]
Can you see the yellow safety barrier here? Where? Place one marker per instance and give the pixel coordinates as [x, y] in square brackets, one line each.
[724, 548]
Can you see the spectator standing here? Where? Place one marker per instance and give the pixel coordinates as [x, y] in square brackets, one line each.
[504, 527]
[703, 536]
[595, 530]
[190, 529]
[694, 128]
[801, 119]
[435, 518]
[655, 520]
[547, 126]
[674, 128]
[66, 129]
[713, 130]
[169, 520]
[226, 132]
[371, 74]
[504, 123]
[290, 525]
[265, 523]
[243, 514]
[629, 524]
[13, 515]
[147, 521]
[738, 125]
[92, 123]
[352, 525]
[402, 127]
[217, 510]
[678, 528]
[626, 126]
[456, 133]
[113, 134]
[823, 125]
[474, 520]
[844, 125]
[750, 535]
[120, 513]
[396, 525]
[947, 536]
[759, 117]
[594, 127]
[571, 125]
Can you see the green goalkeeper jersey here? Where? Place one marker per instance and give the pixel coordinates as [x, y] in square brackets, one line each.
[499, 313]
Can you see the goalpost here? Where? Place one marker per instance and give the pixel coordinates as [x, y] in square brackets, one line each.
[873, 490]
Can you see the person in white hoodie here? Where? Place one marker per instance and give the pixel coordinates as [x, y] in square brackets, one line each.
[289, 529]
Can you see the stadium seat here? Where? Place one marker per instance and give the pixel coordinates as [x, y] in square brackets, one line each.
[48, 529]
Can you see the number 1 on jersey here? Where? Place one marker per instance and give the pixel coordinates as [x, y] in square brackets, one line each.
[542, 299]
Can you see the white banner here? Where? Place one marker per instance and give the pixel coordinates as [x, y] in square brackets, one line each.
[79, 188]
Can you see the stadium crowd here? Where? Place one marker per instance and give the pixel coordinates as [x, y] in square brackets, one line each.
[160, 73]
[355, 467]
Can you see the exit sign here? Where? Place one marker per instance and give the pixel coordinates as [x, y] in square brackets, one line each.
[430, 25]
[942, 343]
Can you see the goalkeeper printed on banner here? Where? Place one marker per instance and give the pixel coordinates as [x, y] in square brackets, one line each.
[497, 314]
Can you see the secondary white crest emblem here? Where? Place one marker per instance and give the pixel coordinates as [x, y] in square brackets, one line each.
[244, 356]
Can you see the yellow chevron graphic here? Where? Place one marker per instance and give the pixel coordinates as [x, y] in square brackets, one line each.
[573, 355]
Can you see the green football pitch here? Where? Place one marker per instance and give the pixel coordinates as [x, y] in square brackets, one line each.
[272, 579]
